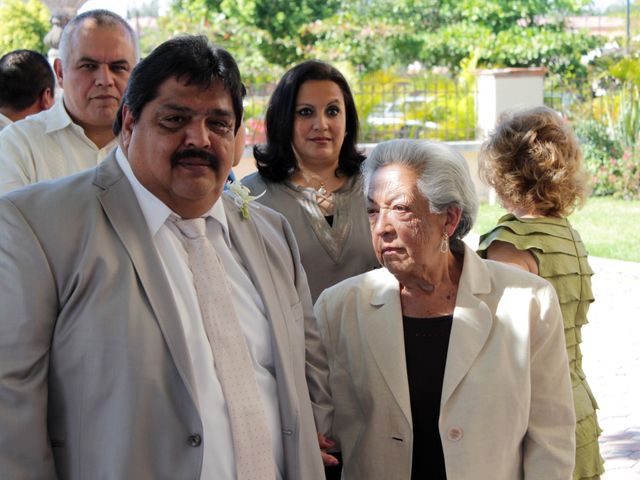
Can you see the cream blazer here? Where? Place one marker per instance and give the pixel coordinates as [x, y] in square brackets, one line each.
[506, 411]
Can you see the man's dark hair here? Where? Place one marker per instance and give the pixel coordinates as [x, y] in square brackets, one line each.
[276, 160]
[24, 75]
[188, 58]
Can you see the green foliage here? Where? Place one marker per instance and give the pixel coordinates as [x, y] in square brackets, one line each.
[547, 46]
[612, 153]
[624, 124]
[507, 33]
[281, 24]
[425, 105]
[501, 15]
[381, 34]
[206, 17]
[23, 24]
[600, 154]
[262, 34]
[557, 50]
[625, 121]
[372, 46]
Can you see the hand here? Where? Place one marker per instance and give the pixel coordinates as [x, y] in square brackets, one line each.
[325, 443]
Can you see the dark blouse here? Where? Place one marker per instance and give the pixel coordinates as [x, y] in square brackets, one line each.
[426, 343]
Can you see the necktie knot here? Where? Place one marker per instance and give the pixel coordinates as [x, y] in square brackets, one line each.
[192, 228]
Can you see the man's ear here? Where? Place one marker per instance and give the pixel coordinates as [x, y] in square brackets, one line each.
[57, 68]
[46, 99]
[127, 128]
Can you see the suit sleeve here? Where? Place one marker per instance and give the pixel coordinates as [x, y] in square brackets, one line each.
[549, 445]
[28, 313]
[317, 369]
[15, 160]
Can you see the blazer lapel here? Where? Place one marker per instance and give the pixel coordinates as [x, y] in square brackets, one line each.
[121, 207]
[472, 321]
[386, 339]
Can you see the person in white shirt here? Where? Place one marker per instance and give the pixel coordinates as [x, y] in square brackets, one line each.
[108, 368]
[27, 85]
[98, 50]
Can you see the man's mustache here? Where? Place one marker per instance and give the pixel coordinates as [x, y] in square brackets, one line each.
[195, 153]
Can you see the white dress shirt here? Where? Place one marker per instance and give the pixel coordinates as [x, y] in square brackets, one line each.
[219, 463]
[4, 121]
[45, 146]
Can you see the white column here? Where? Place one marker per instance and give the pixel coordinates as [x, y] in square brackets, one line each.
[502, 90]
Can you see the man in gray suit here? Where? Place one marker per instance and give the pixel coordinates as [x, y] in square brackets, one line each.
[106, 370]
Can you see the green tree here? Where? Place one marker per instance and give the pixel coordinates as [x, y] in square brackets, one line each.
[279, 22]
[23, 24]
[273, 28]
[380, 33]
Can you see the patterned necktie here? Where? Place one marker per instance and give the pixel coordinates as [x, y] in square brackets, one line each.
[251, 437]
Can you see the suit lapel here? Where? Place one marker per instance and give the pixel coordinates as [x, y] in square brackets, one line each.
[386, 340]
[249, 243]
[245, 238]
[472, 323]
[121, 207]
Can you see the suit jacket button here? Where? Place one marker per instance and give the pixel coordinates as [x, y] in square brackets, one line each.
[194, 440]
[455, 433]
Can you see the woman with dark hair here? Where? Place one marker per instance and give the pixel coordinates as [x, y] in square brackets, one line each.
[309, 170]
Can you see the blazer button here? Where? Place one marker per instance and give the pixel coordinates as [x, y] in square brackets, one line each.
[194, 440]
[455, 433]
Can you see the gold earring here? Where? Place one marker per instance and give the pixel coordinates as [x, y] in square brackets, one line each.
[444, 244]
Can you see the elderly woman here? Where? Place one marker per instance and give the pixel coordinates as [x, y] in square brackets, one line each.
[443, 365]
[309, 170]
[534, 163]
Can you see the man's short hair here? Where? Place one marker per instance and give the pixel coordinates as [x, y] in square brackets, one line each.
[190, 58]
[103, 18]
[24, 75]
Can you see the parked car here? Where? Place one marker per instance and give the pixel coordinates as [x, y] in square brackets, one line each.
[407, 116]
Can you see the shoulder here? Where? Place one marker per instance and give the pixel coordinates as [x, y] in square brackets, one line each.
[273, 194]
[22, 133]
[268, 222]
[67, 192]
[54, 212]
[33, 124]
[517, 288]
[28, 138]
[359, 287]
[256, 183]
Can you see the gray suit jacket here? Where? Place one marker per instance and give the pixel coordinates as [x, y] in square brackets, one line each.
[95, 377]
[506, 410]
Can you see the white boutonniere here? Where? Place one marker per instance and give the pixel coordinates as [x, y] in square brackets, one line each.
[242, 197]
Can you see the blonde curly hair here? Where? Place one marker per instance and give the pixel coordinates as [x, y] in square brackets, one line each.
[534, 163]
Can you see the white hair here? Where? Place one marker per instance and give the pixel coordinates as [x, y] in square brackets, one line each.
[444, 179]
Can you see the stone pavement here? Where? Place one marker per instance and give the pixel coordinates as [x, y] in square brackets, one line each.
[611, 361]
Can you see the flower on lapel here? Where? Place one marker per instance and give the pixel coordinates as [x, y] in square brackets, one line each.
[242, 197]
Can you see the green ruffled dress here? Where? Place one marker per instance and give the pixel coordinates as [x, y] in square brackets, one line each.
[562, 260]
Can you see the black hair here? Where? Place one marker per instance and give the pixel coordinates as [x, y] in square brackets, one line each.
[24, 75]
[275, 160]
[188, 57]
